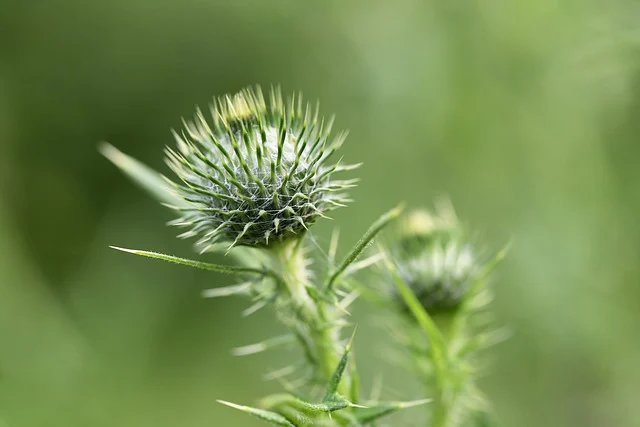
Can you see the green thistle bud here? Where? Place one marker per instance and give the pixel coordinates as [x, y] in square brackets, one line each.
[434, 257]
[257, 173]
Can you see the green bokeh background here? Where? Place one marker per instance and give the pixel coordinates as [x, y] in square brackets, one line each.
[523, 112]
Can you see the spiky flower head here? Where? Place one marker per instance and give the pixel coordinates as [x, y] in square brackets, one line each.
[256, 172]
[435, 258]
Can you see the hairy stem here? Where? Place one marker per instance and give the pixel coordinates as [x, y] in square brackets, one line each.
[441, 410]
[453, 380]
[314, 321]
[437, 387]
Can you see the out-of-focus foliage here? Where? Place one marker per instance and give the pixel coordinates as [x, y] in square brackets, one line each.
[524, 113]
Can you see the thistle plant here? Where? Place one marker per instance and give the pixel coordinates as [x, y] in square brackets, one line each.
[436, 287]
[251, 178]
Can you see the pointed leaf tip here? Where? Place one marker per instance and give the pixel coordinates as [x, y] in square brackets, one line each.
[239, 289]
[504, 251]
[117, 248]
[334, 382]
[396, 211]
[108, 150]
[381, 409]
[271, 417]
[353, 335]
[412, 403]
[263, 345]
[230, 404]
[355, 405]
[150, 180]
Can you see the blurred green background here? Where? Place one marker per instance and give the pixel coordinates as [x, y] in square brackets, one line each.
[523, 112]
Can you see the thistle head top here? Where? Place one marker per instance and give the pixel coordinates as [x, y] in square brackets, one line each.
[257, 172]
[435, 258]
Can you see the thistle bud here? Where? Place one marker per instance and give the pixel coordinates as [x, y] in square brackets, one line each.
[255, 173]
[434, 257]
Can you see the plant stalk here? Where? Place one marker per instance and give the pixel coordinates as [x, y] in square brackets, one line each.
[313, 320]
[450, 382]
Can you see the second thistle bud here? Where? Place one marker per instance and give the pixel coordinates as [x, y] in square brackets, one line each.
[435, 258]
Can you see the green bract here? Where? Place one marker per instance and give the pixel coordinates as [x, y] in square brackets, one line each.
[257, 172]
[434, 257]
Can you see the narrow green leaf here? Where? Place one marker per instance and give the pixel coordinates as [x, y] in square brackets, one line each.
[354, 393]
[437, 343]
[368, 415]
[280, 401]
[330, 394]
[144, 176]
[271, 417]
[226, 269]
[360, 246]
[319, 408]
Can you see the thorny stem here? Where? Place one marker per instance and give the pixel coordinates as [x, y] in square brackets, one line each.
[438, 387]
[451, 385]
[441, 411]
[452, 381]
[312, 319]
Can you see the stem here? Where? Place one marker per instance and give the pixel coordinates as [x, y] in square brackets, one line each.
[452, 380]
[440, 412]
[437, 386]
[313, 320]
